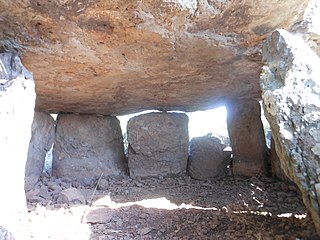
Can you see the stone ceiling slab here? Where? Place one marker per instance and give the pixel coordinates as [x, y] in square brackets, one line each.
[118, 57]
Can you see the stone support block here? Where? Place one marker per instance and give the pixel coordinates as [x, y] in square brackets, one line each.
[158, 144]
[87, 146]
[246, 137]
[43, 128]
[207, 158]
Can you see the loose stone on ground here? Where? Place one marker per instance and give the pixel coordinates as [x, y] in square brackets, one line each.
[175, 208]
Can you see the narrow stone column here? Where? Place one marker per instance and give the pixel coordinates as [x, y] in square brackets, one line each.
[246, 137]
[17, 101]
[41, 142]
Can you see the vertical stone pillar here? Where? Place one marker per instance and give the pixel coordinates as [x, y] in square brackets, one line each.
[41, 142]
[17, 101]
[246, 137]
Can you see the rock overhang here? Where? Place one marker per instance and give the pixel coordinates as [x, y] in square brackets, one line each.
[119, 57]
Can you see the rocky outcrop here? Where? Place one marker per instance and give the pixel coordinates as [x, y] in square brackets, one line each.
[246, 137]
[116, 57]
[87, 146]
[158, 144]
[291, 95]
[17, 101]
[207, 158]
[41, 141]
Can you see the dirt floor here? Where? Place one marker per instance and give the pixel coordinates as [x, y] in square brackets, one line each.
[168, 208]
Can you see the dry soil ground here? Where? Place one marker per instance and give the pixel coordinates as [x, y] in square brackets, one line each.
[169, 208]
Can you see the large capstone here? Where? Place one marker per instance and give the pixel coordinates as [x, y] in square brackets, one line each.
[158, 144]
[207, 158]
[246, 137]
[122, 56]
[87, 146]
[291, 93]
[41, 141]
[17, 101]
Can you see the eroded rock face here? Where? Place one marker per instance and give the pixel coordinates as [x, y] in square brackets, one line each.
[117, 57]
[246, 137]
[158, 144]
[87, 146]
[17, 101]
[41, 141]
[207, 158]
[291, 95]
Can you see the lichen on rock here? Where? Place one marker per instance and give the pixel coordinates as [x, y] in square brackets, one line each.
[291, 92]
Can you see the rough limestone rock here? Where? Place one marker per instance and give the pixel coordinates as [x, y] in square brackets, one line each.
[246, 137]
[158, 144]
[291, 93]
[121, 56]
[207, 158]
[41, 141]
[17, 101]
[87, 146]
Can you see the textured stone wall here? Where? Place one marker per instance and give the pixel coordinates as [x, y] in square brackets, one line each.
[291, 93]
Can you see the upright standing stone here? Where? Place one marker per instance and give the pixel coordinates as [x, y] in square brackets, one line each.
[17, 101]
[246, 137]
[41, 142]
[291, 93]
[207, 158]
[158, 144]
[87, 146]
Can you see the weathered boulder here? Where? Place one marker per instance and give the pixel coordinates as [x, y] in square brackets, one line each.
[17, 101]
[207, 158]
[116, 57]
[246, 137]
[158, 144]
[87, 146]
[291, 93]
[41, 141]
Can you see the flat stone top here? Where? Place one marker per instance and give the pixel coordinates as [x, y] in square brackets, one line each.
[118, 57]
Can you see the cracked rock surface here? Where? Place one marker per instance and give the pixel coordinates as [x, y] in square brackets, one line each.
[118, 57]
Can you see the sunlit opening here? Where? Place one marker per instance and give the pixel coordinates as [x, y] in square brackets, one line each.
[201, 123]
